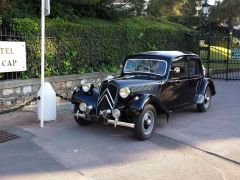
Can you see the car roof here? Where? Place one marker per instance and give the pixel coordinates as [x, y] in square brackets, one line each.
[172, 55]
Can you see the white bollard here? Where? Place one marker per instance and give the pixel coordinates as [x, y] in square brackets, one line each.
[50, 110]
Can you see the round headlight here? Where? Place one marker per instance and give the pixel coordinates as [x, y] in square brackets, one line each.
[86, 87]
[83, 107]
[124, 92]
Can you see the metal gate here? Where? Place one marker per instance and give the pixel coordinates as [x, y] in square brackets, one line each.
[219, 50]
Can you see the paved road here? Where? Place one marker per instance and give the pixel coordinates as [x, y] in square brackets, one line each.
[191, 146]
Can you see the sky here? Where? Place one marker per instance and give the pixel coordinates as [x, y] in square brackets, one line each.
[212, 2]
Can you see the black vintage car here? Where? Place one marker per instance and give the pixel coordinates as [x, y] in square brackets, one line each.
[150, 83]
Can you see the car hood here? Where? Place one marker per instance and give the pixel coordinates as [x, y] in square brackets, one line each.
[138, 83]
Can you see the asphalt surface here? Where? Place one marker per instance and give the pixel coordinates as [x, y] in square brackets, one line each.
[191, 146]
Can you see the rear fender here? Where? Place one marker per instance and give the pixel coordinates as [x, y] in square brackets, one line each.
[206, 82]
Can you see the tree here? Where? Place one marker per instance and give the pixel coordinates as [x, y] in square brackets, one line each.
[108, 9]
[165, 7]
[3, 5]
[5, 9]
[80, 2]
[15, 8]
[185, 8]
[72, 9]
[137, 6]
[189, 8]
[228, 11]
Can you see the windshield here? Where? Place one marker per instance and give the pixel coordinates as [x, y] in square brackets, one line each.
[152, 66]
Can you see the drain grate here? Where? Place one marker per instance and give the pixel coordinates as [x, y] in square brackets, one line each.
[6, 136]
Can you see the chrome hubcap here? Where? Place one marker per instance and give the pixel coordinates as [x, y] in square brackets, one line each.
[207, 99]
[148, 122]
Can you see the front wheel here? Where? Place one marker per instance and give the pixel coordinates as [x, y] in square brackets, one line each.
[80, 121]
[145, 123]
[204, 106]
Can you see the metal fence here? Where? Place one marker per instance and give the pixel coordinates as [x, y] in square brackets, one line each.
[215, 50]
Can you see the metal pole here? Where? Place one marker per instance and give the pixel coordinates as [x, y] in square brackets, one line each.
[228, 51]
[209, 47]
[42, 60]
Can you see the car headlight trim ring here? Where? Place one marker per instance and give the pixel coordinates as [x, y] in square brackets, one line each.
[124, 92]
[86, 87]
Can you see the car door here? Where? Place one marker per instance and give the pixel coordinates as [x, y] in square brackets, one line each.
[194, 78]
[173, 93]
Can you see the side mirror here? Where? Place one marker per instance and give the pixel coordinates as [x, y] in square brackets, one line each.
[121, 66]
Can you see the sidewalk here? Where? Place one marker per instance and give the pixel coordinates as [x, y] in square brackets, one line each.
[22, 158]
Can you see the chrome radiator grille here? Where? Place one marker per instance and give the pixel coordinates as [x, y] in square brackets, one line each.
[107, 97]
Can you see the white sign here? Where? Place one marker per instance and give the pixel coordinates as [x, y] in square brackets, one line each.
[12, 56]
[47, 7]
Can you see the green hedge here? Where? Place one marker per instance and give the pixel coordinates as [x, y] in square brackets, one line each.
[91, 45]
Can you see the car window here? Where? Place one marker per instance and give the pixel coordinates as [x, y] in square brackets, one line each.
[145, 66]
[193, 68]
[181, 65]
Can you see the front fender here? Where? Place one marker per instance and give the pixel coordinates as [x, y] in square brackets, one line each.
[136, 107]
[88, 98]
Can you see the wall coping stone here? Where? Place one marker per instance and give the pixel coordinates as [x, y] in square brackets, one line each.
[37, 81]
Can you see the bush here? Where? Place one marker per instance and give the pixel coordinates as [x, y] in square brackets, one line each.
[189, 21]
[91, 45]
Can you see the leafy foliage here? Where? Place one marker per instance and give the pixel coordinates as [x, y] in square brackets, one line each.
[72, 9]
[186, 8]
[165, 7]
[96, 45]
[228, 11]
[16, 8]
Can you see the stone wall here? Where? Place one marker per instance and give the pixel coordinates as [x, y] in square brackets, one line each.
[16, 92]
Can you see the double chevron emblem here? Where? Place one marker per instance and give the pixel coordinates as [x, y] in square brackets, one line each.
[106, 95]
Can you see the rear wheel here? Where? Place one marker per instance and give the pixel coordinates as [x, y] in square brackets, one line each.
[204, 106]
[80, 121]
[145, 123]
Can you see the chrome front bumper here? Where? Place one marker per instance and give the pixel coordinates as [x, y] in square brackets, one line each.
[104, 114]
[120, 123]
